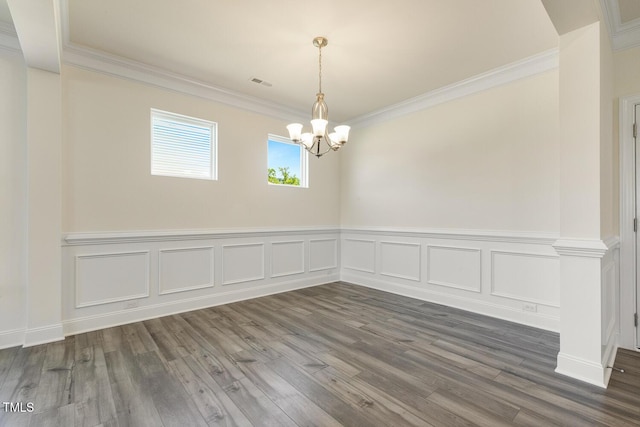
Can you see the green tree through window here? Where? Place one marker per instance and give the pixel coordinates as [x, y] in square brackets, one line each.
[286, 162]
[284, 178]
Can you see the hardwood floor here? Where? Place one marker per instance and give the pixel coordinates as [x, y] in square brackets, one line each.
[330, 355]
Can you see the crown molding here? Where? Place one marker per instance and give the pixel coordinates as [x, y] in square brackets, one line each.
[98, 61]
[102, 62]
[623, 36]
[527, 67]
[9, 38]
[93, 60]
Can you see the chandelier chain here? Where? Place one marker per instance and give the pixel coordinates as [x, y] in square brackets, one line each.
[320, 69]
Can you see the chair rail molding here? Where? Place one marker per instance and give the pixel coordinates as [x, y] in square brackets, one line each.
[591, 248]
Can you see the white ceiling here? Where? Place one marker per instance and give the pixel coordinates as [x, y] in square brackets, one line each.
[380, 53]
[629, 10]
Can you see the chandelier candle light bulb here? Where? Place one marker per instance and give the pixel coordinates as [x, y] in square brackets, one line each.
[319, 120]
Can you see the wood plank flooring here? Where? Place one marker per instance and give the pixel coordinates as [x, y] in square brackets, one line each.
[330, 355]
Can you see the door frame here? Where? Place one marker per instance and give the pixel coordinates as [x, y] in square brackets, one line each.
[628, 263]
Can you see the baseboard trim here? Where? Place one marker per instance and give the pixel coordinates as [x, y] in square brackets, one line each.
[122, 317]
[11, 338]
[43, 335]
[536, 320]
[609, 356]
[584, 370]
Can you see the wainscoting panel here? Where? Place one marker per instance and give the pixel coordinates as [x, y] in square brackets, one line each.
[323, 254]
[185, 269]
[401, 260]
[526, 277]
[359, 255]
[109, 277]
[287, 258]
[610, 302]
[509, 276]
[454, 267]
[242, 263]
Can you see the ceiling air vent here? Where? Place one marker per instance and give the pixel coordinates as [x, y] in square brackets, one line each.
[260, 82]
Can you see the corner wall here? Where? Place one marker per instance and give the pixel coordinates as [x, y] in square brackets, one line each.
[488, 161]
[138, 246]
[13, 199]
[459, 203]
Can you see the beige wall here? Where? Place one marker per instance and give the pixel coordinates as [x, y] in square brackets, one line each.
[580, 116]
[626, 82]
[627, 77]
[487, 161]
[107, 184]
[44, 141]
[609, 164]
[13, 181]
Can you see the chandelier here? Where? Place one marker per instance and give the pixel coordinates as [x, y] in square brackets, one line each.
[313, 141]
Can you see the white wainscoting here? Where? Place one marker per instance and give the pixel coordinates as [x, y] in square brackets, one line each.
[242, 263]
[531, 277]
[323, 254]
[287, 258]
[115, 278]
[455, 267]
[400, 260]
[185, 269]
[610, 304]
[590, 271]
[103, 278]
[359, 255]
[509, 276]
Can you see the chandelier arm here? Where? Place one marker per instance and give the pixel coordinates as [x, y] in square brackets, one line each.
[315, 149]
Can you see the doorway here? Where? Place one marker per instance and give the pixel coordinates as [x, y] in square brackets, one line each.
[635, 125]
[629, 148]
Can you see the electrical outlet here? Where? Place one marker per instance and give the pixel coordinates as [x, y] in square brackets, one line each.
[131, 304]
[527, 306]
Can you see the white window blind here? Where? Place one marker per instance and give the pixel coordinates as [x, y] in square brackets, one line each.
[182, 146]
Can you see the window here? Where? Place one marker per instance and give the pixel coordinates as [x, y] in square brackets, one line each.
[287, 163]
[183, 146]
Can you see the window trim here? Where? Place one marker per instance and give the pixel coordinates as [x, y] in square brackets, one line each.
[181, 118]
[304, 161]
